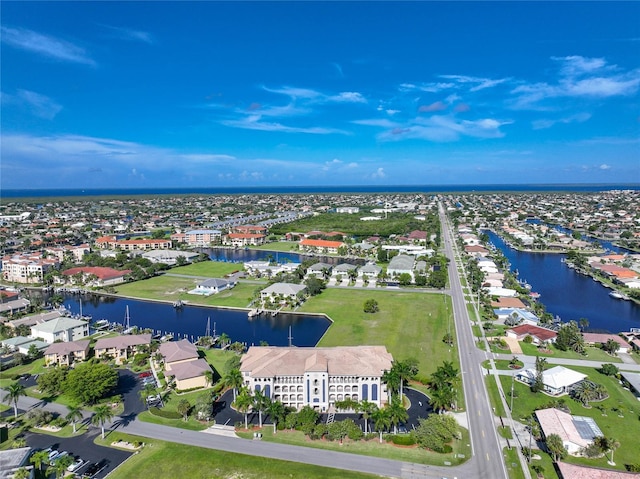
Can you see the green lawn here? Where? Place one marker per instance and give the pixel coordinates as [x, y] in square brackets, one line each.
[494, 395]
[372, 447]
[172, 288]
[408, 324]
[218, 359]
[625, 429]
[285, 246]
[210, 269]
[512, 462]
[501, 364]
[164, 459]
[593, 354]
[171, 400]
[7, 376]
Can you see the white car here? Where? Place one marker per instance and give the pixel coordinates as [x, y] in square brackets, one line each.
[77, 464]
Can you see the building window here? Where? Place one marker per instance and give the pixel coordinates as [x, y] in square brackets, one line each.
[365, 392]
[374, 392]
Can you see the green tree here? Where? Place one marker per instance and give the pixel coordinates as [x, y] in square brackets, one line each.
[397, 414]
[371, 306]
[555, 447]
[208, 377]
[260, 404]
[233, 379]
[74, 414]
[314, 285]
[277, 412]
[609, 369]
[243, 402]
[366, 408]
[607, 444]
[338, 430]
[60, 465]
[22, 473]
[39, 459]
[51, 381]
[101, 414]
[611, 346]
[381, 421]
[392, 380]
[538, 382]
[15, 391]
[88, 382]
[183, 407]
[435, 431]
[404, 279]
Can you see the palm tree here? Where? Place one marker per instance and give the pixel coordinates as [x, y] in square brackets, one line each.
[39, 459]
[555, 447]
[381, 421]
[208, 377]
[441, 398]
[14, 392]
[260, 404]
[367, 409]
[584, 323]
[607, 444]
[183, 407]
[242, 403]
[392, 380]
[60, 465]
[397, 414]
[73, 415]
[403, 370]
[233, 379]
[101, 415]
[277, 412]
[224, 339]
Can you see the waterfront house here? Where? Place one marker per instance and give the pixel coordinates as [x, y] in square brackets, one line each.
[168, 256]
[576, 432]
[518, 316]
[240, 240]
[317, 377]
[504, 302]
[557, 380]
[575, 471]
[97, 275]
[27, 267]
[183, 363]
[632, 381]
[539, 335]
[203, 237]
[14, 306]
[594, 339]
[279, 293]
[67, 353]
[60, 329]
[212, 286]
[121, 348]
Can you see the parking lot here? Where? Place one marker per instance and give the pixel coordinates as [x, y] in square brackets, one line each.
[83, 447]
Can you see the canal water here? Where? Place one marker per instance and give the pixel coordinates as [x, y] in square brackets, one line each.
[230, 255]
[191, 321]
[568, 294]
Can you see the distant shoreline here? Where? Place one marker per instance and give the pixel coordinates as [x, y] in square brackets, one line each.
[80, 193]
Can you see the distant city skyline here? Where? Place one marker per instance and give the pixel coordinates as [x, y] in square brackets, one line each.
[243, 94]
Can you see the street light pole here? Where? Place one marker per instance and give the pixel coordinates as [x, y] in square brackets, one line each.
[512, 376]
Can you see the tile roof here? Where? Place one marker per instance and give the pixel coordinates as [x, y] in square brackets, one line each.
[123, 341]
[189, 369]
[178, 351]
[68, 347]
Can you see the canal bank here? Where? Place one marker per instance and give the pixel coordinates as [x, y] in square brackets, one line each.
[566, 293]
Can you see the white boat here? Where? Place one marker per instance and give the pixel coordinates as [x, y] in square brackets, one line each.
[616, 295]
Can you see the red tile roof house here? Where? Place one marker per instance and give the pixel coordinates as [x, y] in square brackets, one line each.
[105, 276]
[321, 246]
[598, 338]
[539, 335]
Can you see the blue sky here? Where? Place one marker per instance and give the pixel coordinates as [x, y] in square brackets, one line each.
[162, 94]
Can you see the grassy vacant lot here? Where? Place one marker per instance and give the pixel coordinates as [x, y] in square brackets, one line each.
[279, 246]
[218, 359]
[372, 447]
[210, 269]
[164, 459]
[619, 417]
[172, 288]
[409, 324]
[593, 353]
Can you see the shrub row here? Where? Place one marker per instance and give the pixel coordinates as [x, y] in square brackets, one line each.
[165, 414]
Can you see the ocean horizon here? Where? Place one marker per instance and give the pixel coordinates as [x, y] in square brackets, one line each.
[157, 191]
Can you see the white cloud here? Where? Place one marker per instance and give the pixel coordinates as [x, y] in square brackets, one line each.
[45, 45]
[348, 97]
[378, 174]
[480, 83]
[426, 87]
[294, 92]
[253, 122]
[548, 123]
[604, 166]
[381, 122]
[39, 105]
[130, 34]
[443, 128]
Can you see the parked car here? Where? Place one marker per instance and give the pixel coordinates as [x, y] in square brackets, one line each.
[149, 380]
[94, 469]
[52, 453]
[144, 374]
[77, 464]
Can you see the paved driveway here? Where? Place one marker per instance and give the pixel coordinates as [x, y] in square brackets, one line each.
[129, 387]
[81, 446]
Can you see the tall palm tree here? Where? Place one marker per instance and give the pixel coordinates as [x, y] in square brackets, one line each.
[14, 392]
[224, 339]
[242, 403]
[403, 370]
[392, 380]
[39, 459]
[73, 415]
[233, 379]
[607, 444]
[381, 421]
[397, 414]
[260, 403]
[208, 377]
[367, 409]
[277, 412]
[101, 415]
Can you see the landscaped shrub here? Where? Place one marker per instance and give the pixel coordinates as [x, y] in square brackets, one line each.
[528, 339]
[403, 440]
[165, 414]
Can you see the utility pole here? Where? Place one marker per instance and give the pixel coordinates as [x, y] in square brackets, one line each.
[511, 407]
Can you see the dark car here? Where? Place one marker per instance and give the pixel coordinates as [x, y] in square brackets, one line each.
[94, 469]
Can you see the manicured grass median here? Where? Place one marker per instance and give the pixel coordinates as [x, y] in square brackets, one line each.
[161, 459]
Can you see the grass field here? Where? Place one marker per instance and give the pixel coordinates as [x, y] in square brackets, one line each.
[512, 463]
[372, 447]
[285, 246]
[619, 418]
[592, 353]
[164, 459]
[210, 269]
[408, 324]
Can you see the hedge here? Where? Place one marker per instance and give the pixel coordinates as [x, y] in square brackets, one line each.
[165, 414]
[404, 440]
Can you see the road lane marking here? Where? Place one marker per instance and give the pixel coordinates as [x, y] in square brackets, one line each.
[483, 433]
[488, 457]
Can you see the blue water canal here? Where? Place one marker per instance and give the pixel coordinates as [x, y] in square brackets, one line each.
[241, 255]
[191, 321]
[568, 294]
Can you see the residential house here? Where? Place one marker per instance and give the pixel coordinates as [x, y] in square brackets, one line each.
[212, 286]
[168, 256]
[598, 339]
[317, 377]
[97, 275]
[280, 293]
[343, 270]
[538, 334]
[574, 471]
[576, 432]
[557, 380]
[370, 270]
[67, 353]
[61, 329]
[319, 270]
[401, 264]
[320, 246]
[182, 362]
[16, 305]
[121, 348]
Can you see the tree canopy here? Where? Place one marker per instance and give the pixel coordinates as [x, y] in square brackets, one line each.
[89, 382]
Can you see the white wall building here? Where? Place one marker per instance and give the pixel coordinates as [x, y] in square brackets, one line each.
[317, 377]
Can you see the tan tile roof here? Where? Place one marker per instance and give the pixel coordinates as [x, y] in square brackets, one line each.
[188, 370]
[554, 421]
[267, 361]
[124, 341]
[178, 351]
[68, 347]
[573, 471]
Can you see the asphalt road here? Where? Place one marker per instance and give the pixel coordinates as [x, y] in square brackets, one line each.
[487, 458]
